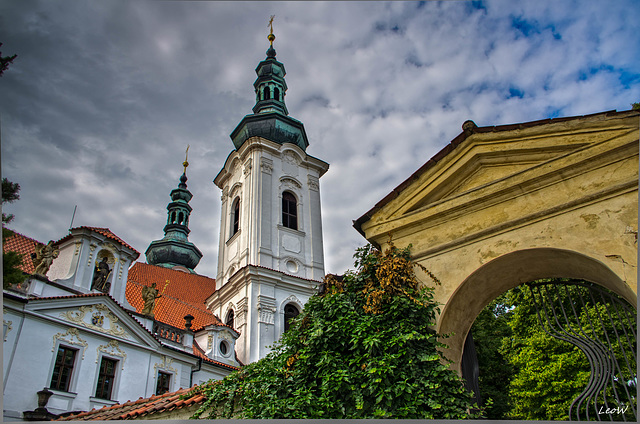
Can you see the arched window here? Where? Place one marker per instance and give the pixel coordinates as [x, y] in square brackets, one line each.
[173, 218]
[290, 311]
[267, 93]
[235, 216]
[289, 211]
[229, 320]
[180, 218]
[276, 93]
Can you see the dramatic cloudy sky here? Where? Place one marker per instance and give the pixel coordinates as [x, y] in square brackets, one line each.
[105, 96]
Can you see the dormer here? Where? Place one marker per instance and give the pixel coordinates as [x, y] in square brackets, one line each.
[93, 260]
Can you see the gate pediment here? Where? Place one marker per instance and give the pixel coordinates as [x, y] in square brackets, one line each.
[492, 165]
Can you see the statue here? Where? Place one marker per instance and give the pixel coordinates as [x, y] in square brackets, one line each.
[43, 257]
[149, 295]
[100, 276]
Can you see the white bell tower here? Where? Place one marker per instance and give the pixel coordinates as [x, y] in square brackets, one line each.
[270, 258]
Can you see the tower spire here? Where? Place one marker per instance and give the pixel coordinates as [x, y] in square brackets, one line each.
[270, 117]
[174, 249]
[271, 37]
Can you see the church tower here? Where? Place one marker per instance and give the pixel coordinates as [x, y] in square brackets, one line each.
[175, 250]
[270, 258]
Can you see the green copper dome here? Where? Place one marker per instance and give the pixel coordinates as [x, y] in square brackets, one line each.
[174, 249]
[270, 118]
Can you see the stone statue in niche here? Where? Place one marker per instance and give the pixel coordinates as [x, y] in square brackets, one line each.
[149, 295]
[101, 276]
[43, 257]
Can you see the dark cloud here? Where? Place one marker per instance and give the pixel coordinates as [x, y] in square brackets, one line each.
[104, 97]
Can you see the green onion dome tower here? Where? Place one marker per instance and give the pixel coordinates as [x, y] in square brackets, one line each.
[174, 250]
[270, 118]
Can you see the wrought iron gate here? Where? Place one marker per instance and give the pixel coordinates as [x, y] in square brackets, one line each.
[604, 327]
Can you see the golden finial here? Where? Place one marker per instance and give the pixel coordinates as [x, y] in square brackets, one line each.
[271, 37]
[186, 163]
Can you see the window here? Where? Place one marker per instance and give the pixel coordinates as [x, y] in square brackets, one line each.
[63, 368]
[164, 383]
[267, 93]
[235, 216]
[276, 93]
[229, 320]
[289, 211]
[224, 348]
[290, 312]
[106, 377]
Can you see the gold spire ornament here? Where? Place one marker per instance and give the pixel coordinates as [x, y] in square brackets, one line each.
[186, 163]
[271, 37]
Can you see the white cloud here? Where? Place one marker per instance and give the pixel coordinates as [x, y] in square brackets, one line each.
[104, 97]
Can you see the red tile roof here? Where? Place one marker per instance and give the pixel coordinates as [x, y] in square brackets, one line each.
[24, 245]
[182, 294]
[133, 409]
[104, 231]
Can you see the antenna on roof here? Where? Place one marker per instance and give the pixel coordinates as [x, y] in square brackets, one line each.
[72, 217]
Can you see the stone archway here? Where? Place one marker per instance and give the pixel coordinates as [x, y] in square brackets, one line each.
[510, 270]
[501, 206]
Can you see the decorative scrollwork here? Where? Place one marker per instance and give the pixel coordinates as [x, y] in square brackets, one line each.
[78, 317]
[68, 337]
[113, 349]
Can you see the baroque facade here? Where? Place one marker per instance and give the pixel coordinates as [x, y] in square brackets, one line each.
[90, 327]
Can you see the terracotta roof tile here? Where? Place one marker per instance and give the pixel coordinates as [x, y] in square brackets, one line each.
[184, 294]
[23, 245]
[140, 407]
[105, 232]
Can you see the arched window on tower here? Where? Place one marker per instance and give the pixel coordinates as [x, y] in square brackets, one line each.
[276, 93]
[267, 93]
[235, 216]
[289, 211]
[173, 218]
[181, 218]
[229, 320]
[290, 311]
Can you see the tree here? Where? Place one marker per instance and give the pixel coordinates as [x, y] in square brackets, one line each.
[635, 106]
[549, 373]
[363, 348]
[489, 329]
[5, 61]
[11, 274]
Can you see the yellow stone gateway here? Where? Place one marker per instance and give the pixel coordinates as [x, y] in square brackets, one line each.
[501, 206]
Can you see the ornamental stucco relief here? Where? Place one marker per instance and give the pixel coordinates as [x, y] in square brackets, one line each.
[164, 365]
[96, 320]
[266, 165]
[68, 337]
[112, 348]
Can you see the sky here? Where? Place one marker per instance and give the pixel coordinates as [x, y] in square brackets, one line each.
[99, 106]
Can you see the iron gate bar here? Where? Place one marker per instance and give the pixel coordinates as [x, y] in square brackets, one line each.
[624, 353]
[606, 371]
[596, 356]
[615, 363]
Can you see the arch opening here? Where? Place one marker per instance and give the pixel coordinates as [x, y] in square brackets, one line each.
[509, 271]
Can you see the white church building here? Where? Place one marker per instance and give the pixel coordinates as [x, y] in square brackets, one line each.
[90, 327]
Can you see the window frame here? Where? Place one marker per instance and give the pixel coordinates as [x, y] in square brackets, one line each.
[114, 377]
[289, 206]
[234, 228]
[71, 379]
[288, 317]
[169, 377]
[230, 317]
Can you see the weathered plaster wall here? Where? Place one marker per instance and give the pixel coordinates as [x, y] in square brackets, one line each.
[504, 208]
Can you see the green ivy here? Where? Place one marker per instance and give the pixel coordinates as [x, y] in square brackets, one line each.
[364, 348]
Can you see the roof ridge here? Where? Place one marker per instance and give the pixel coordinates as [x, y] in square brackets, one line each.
[15, 233]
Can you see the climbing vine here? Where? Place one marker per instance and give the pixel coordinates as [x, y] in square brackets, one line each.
[363, 348]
